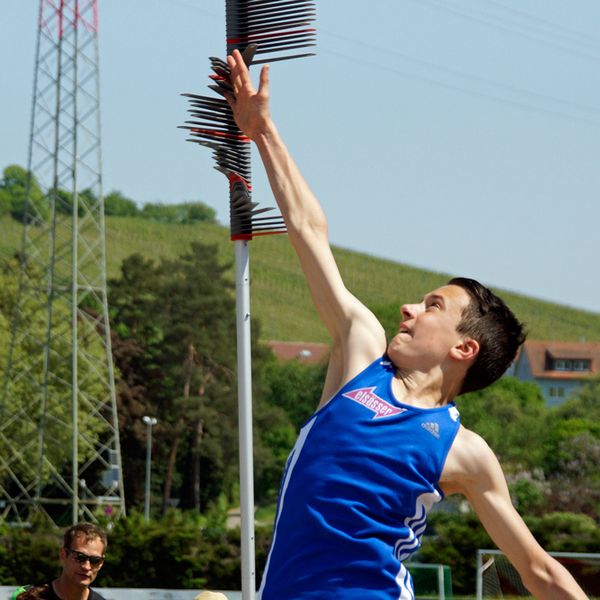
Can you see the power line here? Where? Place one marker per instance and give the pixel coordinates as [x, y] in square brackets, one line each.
[470, 92]
[497, 24]
[546, 23]
[478, 79]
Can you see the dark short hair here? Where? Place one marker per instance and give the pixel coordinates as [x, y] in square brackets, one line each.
[492, 324]
[88, 531]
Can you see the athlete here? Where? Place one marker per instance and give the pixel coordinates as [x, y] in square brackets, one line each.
[81, 557]
[385, 443]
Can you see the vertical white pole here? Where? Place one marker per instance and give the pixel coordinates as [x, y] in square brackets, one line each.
[479, 585]
[441, 582]
[148, 470]
[150, 422]
[242, 287]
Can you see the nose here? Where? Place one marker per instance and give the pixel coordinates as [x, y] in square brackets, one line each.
[409, 311]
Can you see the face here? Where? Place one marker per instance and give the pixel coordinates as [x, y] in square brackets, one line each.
[427, 332]
[81, 573]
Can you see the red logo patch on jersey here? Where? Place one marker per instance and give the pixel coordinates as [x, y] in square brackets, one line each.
[373, 402]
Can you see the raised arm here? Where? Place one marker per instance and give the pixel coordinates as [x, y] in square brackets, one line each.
[357, 335]
[473, 470]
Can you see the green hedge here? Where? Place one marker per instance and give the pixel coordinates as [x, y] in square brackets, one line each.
[181, 551]
[187, 551]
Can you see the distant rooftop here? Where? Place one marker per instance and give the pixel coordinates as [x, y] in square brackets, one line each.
[307, 352]
[562, 360]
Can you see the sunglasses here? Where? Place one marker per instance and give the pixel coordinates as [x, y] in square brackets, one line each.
[80, 557]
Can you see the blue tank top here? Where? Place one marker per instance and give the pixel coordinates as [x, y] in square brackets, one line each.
[355, 494]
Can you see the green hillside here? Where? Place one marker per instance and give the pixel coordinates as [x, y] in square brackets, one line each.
[279, 297]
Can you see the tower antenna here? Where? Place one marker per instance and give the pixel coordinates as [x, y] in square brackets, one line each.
[59, 438]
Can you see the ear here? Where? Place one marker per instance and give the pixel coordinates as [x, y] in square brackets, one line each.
[466, 349]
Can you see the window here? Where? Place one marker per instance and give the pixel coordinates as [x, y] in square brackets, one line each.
[567, 364]
[582, 365]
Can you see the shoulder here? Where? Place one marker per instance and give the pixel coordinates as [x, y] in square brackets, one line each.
[470, 451]
[18, 592]
[94, 595]
[34, 592]
[470, 460]
[353, 352]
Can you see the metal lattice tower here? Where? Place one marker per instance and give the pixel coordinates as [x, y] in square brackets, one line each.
[59, 438]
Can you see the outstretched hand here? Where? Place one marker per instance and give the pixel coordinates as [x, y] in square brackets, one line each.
[250, 106]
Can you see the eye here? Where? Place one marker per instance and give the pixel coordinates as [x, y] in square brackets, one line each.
[434, 304]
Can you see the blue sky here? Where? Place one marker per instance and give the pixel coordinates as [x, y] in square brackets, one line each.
[461, 136]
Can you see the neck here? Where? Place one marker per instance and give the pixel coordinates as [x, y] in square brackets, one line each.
[70, 591]
[423, 390]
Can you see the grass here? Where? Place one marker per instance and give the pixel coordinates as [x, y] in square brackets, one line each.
[280, 299]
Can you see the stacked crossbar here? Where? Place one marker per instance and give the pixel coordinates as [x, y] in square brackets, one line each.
[272, 29]
[275, 27]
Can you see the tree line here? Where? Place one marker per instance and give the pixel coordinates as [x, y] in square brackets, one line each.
[22, 198]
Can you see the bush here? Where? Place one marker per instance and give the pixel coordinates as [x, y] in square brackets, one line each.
[117, 205]
[29, 556]
[185, 213]
[21, 196]
[565, 532]
[180, 551]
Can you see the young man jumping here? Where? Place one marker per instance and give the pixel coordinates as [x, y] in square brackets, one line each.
[385, 443]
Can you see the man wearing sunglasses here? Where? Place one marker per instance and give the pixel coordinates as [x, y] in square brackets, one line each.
[81, 557]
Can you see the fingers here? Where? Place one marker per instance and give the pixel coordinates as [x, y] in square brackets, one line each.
[240, 77]
[232, 65]
[243, 96]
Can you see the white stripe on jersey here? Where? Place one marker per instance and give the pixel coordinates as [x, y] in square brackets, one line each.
[406, 546]
[293, 459]
[404, 582]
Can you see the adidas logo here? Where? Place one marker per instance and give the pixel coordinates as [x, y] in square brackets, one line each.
[433, 428]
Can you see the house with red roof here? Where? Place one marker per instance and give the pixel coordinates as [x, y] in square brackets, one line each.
[559, 368]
